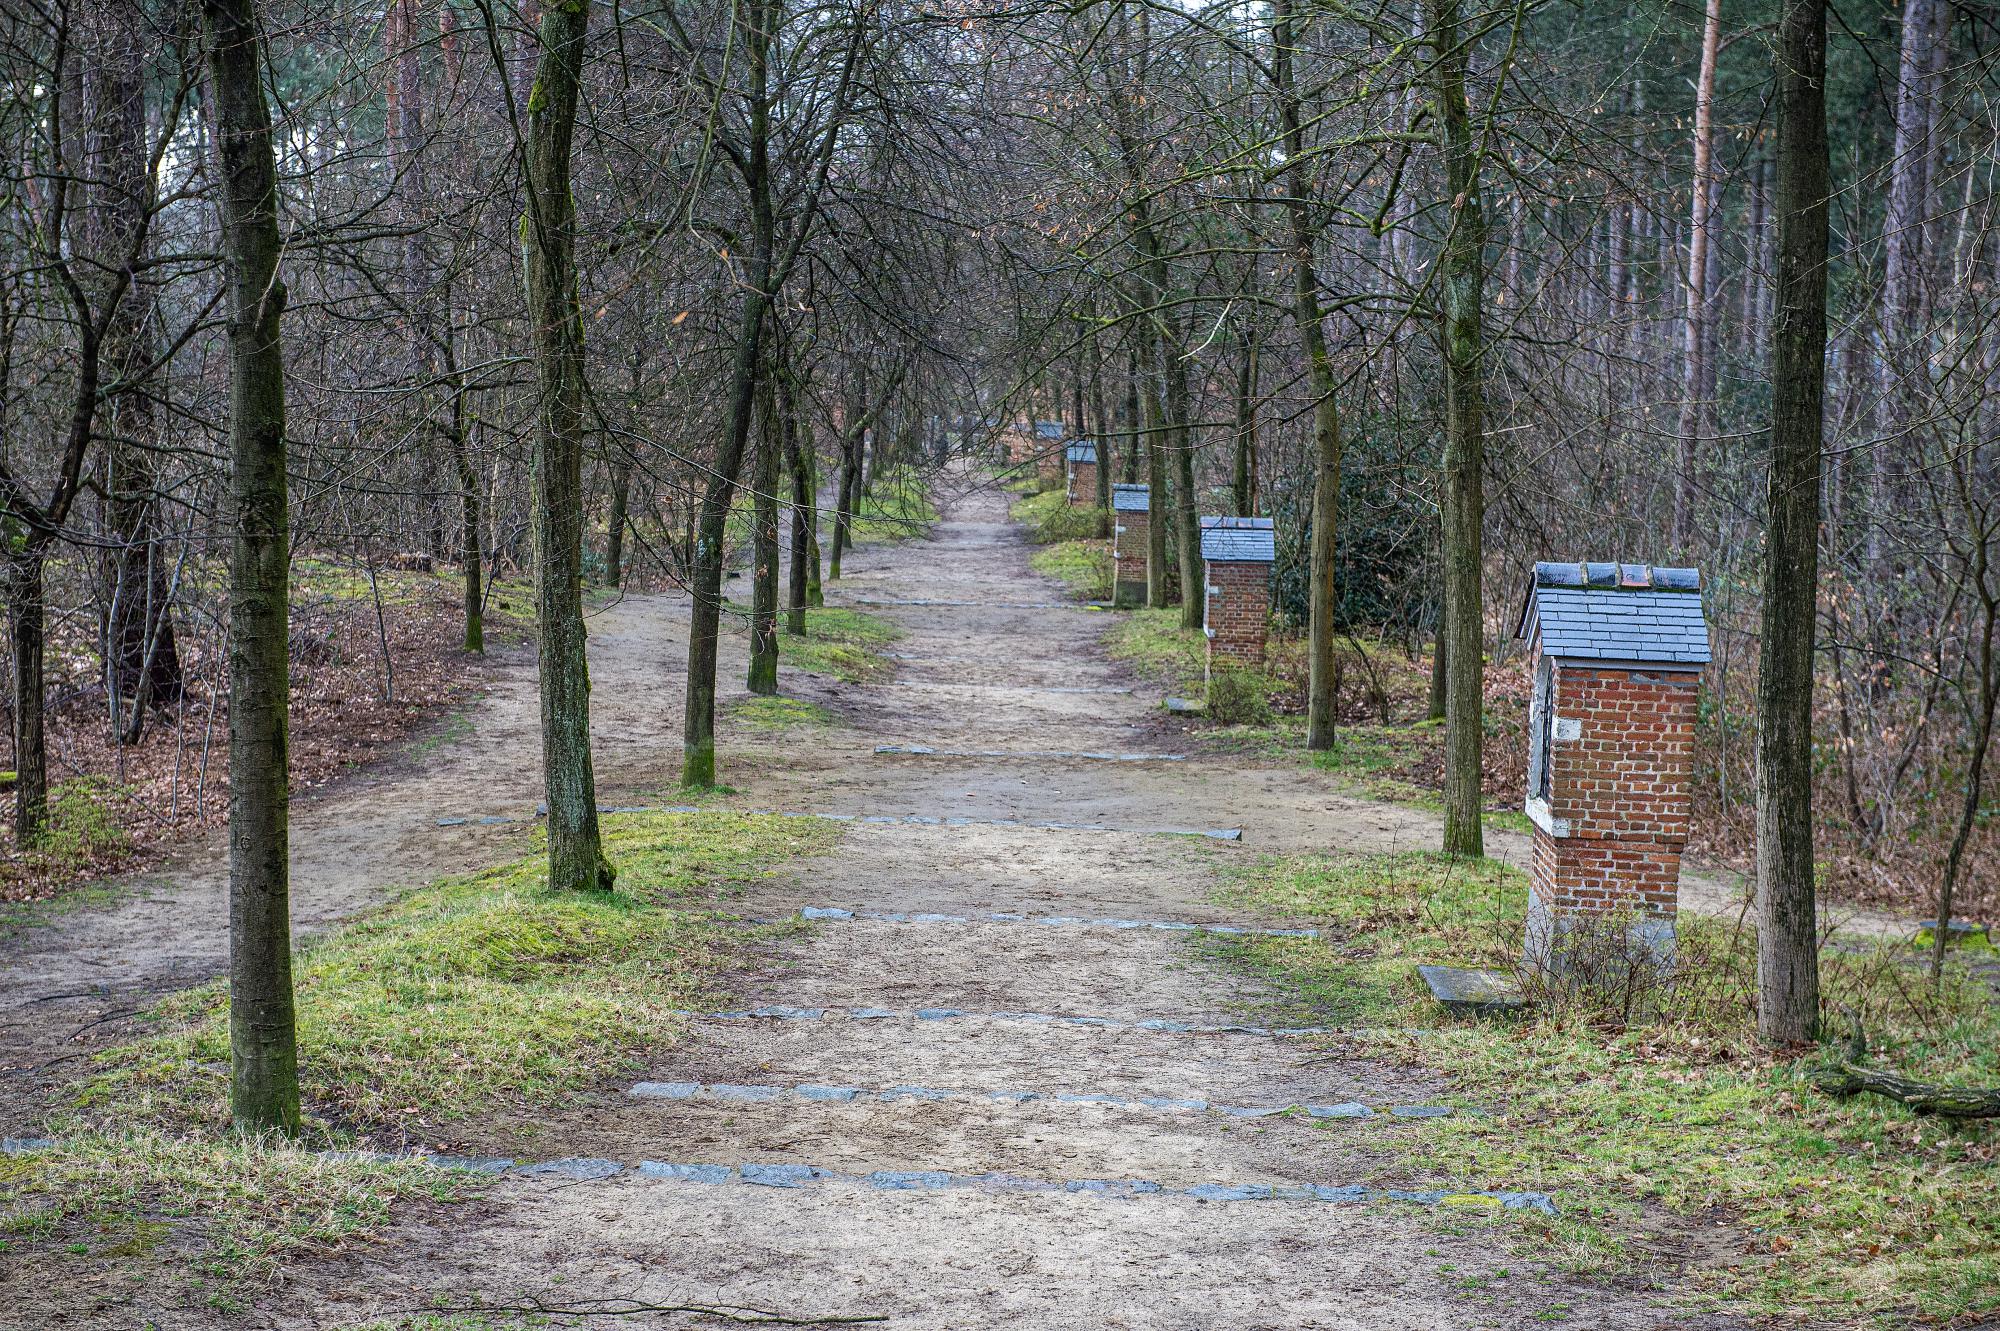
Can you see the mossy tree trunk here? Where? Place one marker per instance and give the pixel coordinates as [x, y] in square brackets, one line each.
[1462, 290]
[1322, 724]
[1787, 928]
[264, 1078]
[555, 317]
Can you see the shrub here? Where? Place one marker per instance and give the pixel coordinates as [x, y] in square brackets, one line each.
[1239, 698]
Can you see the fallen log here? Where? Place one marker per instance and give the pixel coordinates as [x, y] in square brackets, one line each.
[1850, 1078]
[1922, 1096]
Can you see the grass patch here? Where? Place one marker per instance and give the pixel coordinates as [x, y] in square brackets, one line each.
[476, 994]
[1050, 518]
[777, 714]
[897, 508]
[83, 829]
[480, 988]
[839, 642]
[1843, 1209]
[1082, 567]
[1153, 643]
[137, 1195]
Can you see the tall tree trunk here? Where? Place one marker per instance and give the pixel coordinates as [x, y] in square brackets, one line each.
[623, 461]
[1322, 722]
[1243, 475]
[470, 517]
[805, 511]
[1462, 261]
[264, 1080]
[141, 651]
[1902, 258]
[1696, 422]
[1157, 495]
[763, 676]
[698, 716]
[27, 638]
[1129, 444]
[1980, 715]
[555, 317]
[1787, 942]
[1187, 521]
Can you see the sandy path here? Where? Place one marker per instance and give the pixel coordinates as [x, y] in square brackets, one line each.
[975, 677]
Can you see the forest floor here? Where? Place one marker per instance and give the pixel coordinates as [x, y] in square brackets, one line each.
[976, 1082]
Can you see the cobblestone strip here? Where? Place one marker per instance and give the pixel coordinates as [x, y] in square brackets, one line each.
[820, 1094]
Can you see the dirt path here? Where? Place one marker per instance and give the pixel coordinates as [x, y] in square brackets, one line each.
[947, 1120]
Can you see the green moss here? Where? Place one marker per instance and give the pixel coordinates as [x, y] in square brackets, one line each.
[776, 713]
[481, 988]
[1842, 1208]
[843, 643]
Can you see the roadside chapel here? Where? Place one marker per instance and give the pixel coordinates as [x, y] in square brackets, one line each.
[1131, 518]
[1081, 456]
[1236, 608]
[1617, 652]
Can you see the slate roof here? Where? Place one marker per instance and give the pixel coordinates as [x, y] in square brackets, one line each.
[1082, 450]
[1227, 540]
[1129, 498]
[1048, 430]
[1617, 612]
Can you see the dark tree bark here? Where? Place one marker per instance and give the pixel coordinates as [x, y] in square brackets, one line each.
[803, 590]
[763, 677]
[1187, 521]
[698, 718]
[1787, 942]
[1463, 265]
[1697, 418]
[470, 518]
[1321, 722]
[1243, 475]
[622, 462]
[555, 317]
[1157, 496]
[264, 1080]
[1128, 444]
[141, 652]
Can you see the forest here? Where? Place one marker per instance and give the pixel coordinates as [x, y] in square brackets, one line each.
[568, 405]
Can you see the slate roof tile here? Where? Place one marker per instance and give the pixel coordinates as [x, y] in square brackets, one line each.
[1128, 498]
[1232, 540]
[1621, 612]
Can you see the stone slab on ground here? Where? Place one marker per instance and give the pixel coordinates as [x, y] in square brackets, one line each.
[1474, 993]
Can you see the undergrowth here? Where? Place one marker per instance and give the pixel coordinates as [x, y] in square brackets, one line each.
[1840, 1209]
[1050, 518]
[897, 507]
